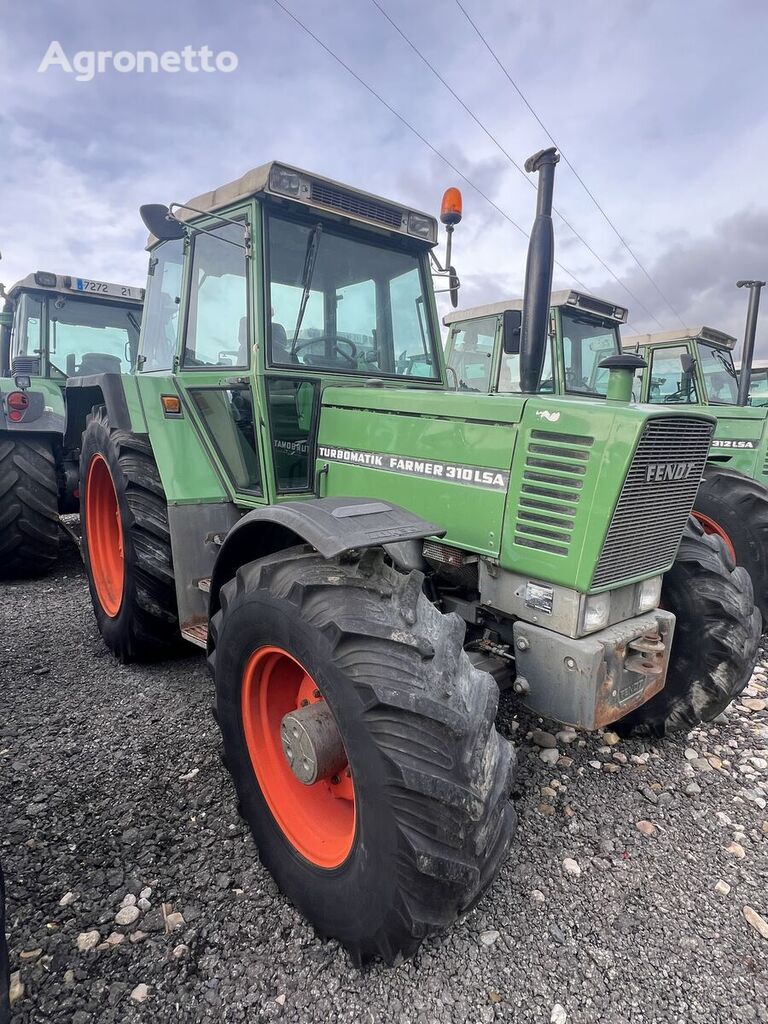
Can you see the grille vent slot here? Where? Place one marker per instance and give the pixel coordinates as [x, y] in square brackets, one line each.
[553, 479]
[358, 206]
[650, 515]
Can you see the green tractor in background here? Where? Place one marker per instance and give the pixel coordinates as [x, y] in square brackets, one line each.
[695, 368]
[55, 332]
[689, 367]
[366, 555]
[758, 382]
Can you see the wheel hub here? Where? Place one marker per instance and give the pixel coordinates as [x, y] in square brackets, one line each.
[312, 744]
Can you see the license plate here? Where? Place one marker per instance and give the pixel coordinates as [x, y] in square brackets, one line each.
[116, 291]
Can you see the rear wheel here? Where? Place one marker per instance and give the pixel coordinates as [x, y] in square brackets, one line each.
[29, 507]
[717, 632]
[126, 542]
[735, 508]
[362, 746]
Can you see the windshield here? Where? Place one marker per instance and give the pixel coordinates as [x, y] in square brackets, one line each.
[719, 374]
[84, 336]
[587, 340]
[347, 305]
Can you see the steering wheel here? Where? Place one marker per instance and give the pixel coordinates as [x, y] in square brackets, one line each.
[336, 339]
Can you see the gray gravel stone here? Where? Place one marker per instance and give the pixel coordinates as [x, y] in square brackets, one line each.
[115, 818]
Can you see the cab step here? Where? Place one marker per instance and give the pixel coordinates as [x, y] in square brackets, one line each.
[197, 635]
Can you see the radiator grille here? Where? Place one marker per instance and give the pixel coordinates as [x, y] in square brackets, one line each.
[651, 512]
[553, 479]
[356, 205]
[765, 465]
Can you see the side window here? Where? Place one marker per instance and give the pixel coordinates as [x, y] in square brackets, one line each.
[217, 321]
[161, 307]
[291, 422]
[27, 327]
[409, 328]
[509, 374]
[227, 414]
[471, 353]
[672, 379]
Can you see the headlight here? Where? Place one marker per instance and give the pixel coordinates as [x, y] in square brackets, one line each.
[422, 227]
[597, 609]
[288, 183]
[649, 594]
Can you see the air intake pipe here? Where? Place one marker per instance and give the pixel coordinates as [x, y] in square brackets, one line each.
[538, 274]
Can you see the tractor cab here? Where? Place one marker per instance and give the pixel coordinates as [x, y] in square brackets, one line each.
[55, 327]
[482, 350]
[694, 367]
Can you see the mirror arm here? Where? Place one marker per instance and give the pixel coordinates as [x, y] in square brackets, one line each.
[217, 216]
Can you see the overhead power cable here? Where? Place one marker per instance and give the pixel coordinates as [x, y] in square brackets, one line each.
[418, 134]
[514, 163]
[566, 161]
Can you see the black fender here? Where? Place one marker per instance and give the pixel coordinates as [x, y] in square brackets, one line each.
[331, 525]
[82, 393]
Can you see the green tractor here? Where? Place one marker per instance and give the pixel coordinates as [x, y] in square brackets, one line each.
[695, 367]
[55, 333]
[687, 367]
[367, 555]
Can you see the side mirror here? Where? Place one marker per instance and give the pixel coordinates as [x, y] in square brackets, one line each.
[510, 332]
[686, 362]
[160, 222]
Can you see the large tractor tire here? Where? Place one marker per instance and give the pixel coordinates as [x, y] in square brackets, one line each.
[409, 819]
[716, 638]
[735, 508]
[29, 507]
[5, 974]
[127, 543]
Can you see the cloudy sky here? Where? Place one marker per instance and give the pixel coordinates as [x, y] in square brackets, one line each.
[660, 106]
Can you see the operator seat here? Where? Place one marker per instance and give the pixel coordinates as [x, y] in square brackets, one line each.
[99, 362]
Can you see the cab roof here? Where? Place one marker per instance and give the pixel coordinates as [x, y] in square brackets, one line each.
[292, 184]
[682, 334]
[43, 281]
[567, 297]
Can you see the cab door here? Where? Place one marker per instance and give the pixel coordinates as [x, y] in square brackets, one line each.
[214, 362]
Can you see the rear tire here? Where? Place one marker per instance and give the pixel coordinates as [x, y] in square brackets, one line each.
[29, 507]
[130, 568]
[738, 507]
[716, 638]
[430, 774]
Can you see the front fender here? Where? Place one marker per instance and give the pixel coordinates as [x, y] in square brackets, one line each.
[331, 525]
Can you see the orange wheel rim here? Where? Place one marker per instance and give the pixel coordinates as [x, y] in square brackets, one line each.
[714, 529]
[318, 820]
[105, 536]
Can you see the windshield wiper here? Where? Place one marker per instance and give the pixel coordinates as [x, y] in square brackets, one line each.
[313, 244]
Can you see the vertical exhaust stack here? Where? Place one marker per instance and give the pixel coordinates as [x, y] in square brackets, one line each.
[538, 274]
[750, 330]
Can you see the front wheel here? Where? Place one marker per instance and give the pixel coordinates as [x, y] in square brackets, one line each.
[717, 632]
[362, 746]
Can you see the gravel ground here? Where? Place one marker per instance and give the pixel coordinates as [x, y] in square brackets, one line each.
[114, 806]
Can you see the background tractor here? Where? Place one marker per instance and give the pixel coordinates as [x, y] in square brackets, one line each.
[691, 367]
[53, 330]
[758, 382]
[695, 367]
[366, 555]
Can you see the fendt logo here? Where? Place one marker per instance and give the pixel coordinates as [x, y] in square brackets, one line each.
[663, 471]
